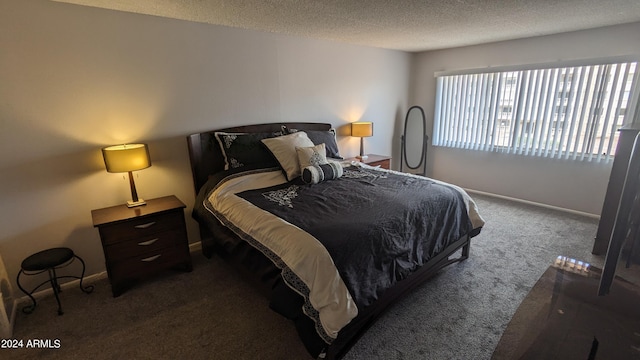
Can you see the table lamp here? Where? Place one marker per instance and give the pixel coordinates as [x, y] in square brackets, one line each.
[127, 158]
[362, 130]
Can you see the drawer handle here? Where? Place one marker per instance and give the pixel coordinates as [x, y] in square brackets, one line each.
[151, 258]
[147, 243]
[144, 226]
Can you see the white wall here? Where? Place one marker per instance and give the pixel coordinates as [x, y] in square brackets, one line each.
[576, 186]
[74, 79]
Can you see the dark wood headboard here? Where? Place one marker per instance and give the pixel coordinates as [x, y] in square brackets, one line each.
[206, 157]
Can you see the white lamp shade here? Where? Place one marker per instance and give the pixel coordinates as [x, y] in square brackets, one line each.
[128, 157]
[362, 129]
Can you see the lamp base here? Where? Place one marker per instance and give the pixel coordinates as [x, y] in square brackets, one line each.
[131, 203]
[362, 157]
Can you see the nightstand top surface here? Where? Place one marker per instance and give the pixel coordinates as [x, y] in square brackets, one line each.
[122, 212]
[371, 158]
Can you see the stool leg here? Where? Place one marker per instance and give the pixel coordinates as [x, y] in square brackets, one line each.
[29, 308]
[86, 289]
[56, 288]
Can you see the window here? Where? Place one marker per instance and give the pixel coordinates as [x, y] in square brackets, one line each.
[569, 112]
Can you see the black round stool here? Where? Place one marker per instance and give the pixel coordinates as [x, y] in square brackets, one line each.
[49, 260]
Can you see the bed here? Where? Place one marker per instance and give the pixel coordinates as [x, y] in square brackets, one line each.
[332, 244]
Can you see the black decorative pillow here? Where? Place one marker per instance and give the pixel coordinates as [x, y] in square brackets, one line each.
[244, 149]
[315, 174]
[328, 138]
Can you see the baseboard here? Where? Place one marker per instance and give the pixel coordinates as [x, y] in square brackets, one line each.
[195, 246]
[593, 216]
[67, 285]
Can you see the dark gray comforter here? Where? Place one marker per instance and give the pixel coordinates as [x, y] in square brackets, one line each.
[377, 226]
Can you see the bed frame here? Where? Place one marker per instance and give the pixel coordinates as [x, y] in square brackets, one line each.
[206, 159]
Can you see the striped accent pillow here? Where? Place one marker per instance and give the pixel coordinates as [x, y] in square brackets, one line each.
[319, 173]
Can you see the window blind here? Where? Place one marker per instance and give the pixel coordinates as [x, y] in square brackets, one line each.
[565, 112]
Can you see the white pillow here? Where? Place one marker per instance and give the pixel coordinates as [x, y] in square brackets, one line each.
[284, 149]
[311, 156]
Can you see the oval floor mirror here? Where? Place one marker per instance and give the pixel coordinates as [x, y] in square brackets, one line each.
[414, 141]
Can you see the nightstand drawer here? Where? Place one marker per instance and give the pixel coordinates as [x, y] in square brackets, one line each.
[149, 263]
[140, 227]
[144, 244]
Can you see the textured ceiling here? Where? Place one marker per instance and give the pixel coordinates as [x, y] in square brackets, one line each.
[410, 25]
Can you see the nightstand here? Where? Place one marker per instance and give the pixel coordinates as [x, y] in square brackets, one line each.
[142, 241]
[375, 160]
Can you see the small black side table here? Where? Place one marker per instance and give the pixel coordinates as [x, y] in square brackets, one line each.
[49, 260]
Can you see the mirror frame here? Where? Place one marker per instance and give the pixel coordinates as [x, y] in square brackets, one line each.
[425, 138]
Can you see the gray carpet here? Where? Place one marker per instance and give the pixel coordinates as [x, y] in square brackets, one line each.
[211, 313]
